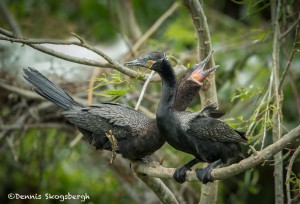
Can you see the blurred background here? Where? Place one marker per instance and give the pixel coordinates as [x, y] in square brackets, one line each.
[41, 152]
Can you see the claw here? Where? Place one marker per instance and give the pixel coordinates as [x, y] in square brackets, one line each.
[204, 174]
[180, 173]
[146, 159]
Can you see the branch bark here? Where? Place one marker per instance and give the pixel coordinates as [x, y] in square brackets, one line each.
[288, 175]
[276, 121]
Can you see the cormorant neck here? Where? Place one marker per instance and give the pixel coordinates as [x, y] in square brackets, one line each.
[169, 84]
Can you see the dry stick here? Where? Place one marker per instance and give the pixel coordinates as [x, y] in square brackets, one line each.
[143, 90]
[290, 58]
[156, 170]
[10, 19]
[22, 92]
[208, 95]
[290, 28]
[36, 125]
[267, 114]
[288, 175]
[276, 121]
[30, 94]
[295, 91]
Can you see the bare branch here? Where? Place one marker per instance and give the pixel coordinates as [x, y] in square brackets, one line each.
[37, 125]
[156, 170]
[294, 24]
[10, 19]
[276, 120]
[21, 92]
[288, 174]
[159, 188]
[143, 90]
[290, 58]
[30, 94]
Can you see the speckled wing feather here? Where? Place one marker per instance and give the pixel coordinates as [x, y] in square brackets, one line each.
[122, 120]
[207, 128]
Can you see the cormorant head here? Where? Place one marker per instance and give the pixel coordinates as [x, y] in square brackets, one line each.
[199, 74]
[147, 60]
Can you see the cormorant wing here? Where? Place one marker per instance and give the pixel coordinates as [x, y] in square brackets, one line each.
[207, 128]
[109, 116]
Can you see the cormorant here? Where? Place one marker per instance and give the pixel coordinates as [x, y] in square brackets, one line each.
[137, 135]
[208, 139]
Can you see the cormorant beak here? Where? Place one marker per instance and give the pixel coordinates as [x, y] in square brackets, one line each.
[199, 74]
[137, 63]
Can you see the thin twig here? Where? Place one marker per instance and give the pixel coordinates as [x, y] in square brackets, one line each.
[10, 19]
[36, 125]
[91, 85]
[20, 91]
[76, 140]
[30, 94]
[267, 113]
[288, 175]
[290, 58]
[295, 23]
[143, 90]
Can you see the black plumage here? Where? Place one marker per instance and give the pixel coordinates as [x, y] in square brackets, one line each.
[137, 135]
[208, 139]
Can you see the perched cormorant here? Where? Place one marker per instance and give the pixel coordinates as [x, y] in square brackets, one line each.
[137, 135]
[208, 139]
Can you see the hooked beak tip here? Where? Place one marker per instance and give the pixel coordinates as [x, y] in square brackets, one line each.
[132, 63]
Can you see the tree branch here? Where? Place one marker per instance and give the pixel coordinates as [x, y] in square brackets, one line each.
[159, 188]
[288, 174]
[10, 19]
[276, 120]
[156, 170]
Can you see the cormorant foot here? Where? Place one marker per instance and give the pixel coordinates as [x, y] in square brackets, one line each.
[180, 173]
[204, 174]
[146, 159]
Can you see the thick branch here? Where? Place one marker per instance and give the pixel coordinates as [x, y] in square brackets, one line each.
[276, 120]
[159, 188]
[159, 171]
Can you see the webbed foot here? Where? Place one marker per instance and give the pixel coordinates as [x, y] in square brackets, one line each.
[180, 173]
[204, 174]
